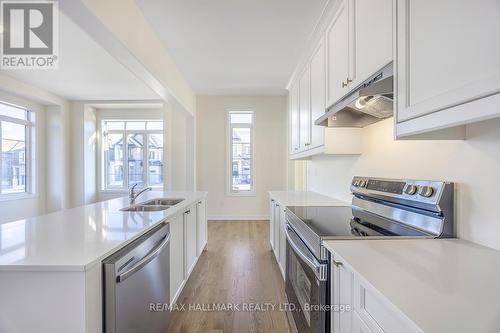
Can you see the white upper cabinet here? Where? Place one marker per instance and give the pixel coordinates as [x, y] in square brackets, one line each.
[305, 109]
[318, 94]
[448, 65]
[337, 38]
[371, 37]
[293, 104]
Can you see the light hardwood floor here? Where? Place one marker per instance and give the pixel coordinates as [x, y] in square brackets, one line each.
[237, 267]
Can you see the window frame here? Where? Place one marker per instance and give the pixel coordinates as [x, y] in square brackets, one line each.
[145, 153]
[229, 154]
[30, 135]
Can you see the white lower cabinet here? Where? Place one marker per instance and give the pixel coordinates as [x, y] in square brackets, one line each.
[190, 227]
[341, 295]
[275, 212]
[277, 233]
[201, 221]
[282, 225]
[368, 312]
[271, 223]
[188, 237]
[177, 274]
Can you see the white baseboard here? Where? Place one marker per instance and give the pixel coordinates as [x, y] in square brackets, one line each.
[238, 218]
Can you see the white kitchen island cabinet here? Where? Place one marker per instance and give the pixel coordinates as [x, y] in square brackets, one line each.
[52, 282]
[177, 265]
[202, 232]
[189, 238]
[190, 249]
[448, 68]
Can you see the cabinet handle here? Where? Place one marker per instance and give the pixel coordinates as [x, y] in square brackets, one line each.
[337, 263]
[187, 211]
[308, 144]
[346, 83]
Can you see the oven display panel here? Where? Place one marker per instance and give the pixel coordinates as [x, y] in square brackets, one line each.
[386, 186]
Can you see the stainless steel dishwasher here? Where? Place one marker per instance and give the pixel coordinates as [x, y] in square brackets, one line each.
[136, 277]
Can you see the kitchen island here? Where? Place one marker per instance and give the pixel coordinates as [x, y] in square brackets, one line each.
[50, 265]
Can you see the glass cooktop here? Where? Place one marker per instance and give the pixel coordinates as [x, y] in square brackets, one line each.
[325, 221]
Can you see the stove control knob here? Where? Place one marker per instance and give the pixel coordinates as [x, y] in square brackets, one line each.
[356, 183]
[426, 191]
[362, 183]
[411, 189]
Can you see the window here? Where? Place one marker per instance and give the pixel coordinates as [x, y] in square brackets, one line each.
[16, 131]
[132, 154]
[241, 170]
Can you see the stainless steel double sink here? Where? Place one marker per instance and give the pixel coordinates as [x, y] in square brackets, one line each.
[152, 205]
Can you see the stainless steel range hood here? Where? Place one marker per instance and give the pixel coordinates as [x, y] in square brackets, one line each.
[370, 102]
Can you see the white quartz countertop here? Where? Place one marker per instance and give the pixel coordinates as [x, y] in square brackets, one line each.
[442, 285]
[77, 238]
[305, 198]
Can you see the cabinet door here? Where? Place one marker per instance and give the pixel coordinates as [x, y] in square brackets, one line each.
[176, 255]
[337, 38]
[448, 54]
[271, 223]
[371, 37]
[277, 232]
[293, 104]
[358, 325]
[282, 224]
[318, 92]
[190, 239]
[341, 295]
[201, 235]
[305, 109]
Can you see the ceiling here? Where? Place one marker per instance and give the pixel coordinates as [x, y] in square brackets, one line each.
[234, 47]
[86, 71]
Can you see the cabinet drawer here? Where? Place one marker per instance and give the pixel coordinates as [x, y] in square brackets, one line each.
[375, 313]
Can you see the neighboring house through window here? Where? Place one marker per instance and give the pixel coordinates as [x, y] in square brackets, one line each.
[241, 178]
[17, 126]
[132, 154]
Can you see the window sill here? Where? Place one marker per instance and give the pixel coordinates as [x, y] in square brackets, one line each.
[17, 196]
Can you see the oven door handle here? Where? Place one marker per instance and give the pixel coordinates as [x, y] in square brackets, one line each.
[320, 270]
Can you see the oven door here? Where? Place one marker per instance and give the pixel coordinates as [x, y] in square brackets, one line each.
[306, 285]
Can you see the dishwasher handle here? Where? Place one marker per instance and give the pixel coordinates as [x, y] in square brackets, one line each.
[144, 261]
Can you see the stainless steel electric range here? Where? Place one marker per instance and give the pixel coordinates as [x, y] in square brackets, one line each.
[381, 208]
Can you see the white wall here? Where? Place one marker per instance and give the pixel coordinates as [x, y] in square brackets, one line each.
[83, 154]
[54, 144]
[90, 154]
[270, 154]
[474, 164]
